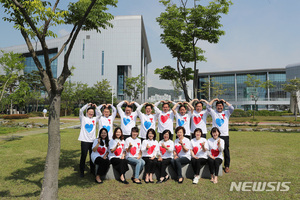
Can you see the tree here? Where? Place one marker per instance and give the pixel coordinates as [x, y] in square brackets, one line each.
[178, 78]
[293, 87]
[67, 96]
[212, 89]
[12, 64]
[34, 19]
[134, 87]
[184, 26]
[19, 96]
[102, 92]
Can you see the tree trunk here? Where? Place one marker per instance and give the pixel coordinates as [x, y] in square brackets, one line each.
[50, 181]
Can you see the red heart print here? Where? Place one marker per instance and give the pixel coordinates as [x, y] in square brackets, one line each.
[163, 150]
[138, 145]
[133, 150]
[101, 150]
[223, 116]
[215, 152]
[118, 151]
[151, 119]
[151, 149]
[197, 120]
[195, 150]
[178, 148]
[164, 118]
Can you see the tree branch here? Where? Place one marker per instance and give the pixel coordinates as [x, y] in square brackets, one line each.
[46, 26]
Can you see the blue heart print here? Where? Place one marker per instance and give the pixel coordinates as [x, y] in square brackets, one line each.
[180, 122]
[126, 121]
[147, 124]
[220, 122]
[107, 128]
[89, 127]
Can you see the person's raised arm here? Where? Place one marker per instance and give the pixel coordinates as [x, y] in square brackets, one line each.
[119, 107]
[212, 101]
[174, 109]
[98, 112]
[230, 107]
[190, 107]
[114, 111]
[138, 109]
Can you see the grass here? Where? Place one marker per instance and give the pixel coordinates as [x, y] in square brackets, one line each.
[256, 156]
[11, 130]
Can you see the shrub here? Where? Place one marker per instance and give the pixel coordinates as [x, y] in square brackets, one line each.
[240, 113]
[16, 116]
[35, 114]
[76, 111]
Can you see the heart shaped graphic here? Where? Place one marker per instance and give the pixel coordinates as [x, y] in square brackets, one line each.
[164, 118]
[178, 148]
[151, 149]
[133, 150]
[138, 145]
[215, 152]
[107, 128]
[101, 150]
[195, 150]
[118, 151]
[126, 121]
[197, 120]
[163, 150]
[89, 127]
[220, 122]
[147, 124]
[180, 122]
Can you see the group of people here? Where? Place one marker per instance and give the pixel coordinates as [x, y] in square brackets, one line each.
[128, 145]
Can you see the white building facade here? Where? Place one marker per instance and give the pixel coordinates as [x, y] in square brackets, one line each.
[113, 54]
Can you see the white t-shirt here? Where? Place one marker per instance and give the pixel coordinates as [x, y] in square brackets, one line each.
[88, 125]
[198, 149]
[165, 120]
[127, 122]
[214, 150]
[152, 151]
[221, 120]
[135, 148]
[184, 121]
[101, 150]
[107, 122]
[179, 150]
[119, 151]
[147, 122]
[198, 120]
[164, 153]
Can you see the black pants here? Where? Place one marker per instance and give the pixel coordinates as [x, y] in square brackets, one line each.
[103, 165]
[214, 165]
[197, 164]
[85, 148]
[162, 165]
[150, 165]
[120, 165]
[226, 151]
[178, 163]
[161, 137]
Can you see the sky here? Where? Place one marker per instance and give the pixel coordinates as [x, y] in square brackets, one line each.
[258, 34]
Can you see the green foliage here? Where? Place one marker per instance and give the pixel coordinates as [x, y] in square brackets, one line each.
[134, 87]
[16, 116]
[212, 89]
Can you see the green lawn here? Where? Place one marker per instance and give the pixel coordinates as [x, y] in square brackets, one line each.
[256, 156]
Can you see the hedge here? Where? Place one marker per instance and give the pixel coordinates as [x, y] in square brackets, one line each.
[16, 116]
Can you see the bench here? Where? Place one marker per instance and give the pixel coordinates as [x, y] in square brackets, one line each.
[187, 172]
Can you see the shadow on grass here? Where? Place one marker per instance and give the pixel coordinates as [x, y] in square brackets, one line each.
[68, 159]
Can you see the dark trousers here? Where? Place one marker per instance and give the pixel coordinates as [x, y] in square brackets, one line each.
[150, 165]
[214, 165]
[197, 164]
[161, 137]
[177, 165]
[120, 165]
[103, 165]
[162, 165]
[226, 151]
[85, 148]
[126, 136]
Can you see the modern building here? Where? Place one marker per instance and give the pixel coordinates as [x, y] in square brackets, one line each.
[113, 54]
[235, 90]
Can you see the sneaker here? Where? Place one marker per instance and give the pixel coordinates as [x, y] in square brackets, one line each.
[196, 180]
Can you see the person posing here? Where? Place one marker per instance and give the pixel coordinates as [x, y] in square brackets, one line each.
[165, 118]
[165, 156]
[215, 158]
[147, 120]
[107, 119]
[149, 152]
[199, 117]
[199, 153]
[87, 134]
[134, 154]
[117, 154]
[128, 118]
[99, 154]
[220, 119]
[182, 154]
[183, 118]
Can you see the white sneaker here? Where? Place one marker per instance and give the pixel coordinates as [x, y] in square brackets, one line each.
[196, 179]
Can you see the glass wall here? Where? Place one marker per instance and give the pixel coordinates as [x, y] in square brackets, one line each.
[277, 92]
[122, 74]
